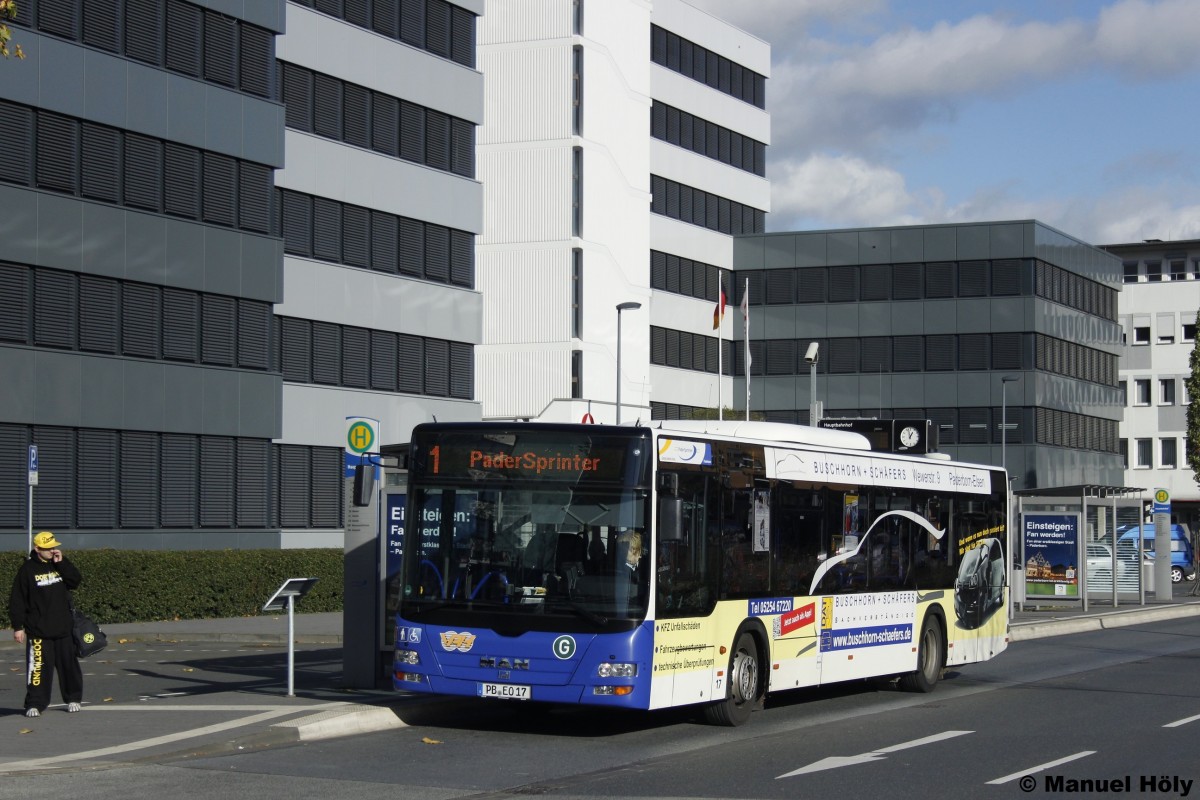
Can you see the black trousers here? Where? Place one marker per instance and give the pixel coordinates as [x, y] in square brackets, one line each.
[44, 657]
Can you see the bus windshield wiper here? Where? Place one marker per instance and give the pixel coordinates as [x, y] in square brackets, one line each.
[580, 611]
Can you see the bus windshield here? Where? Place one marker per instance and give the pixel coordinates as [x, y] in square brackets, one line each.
[530, 530]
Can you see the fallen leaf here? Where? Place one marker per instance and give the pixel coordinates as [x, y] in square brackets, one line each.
[427, 740]
[26, 730]
[122, 641]
[107, 700]
[189, 669]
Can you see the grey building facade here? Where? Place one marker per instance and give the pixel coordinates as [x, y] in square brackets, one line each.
[929, 322]
[215, 245]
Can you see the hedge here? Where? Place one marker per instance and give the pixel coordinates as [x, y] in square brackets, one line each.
[146, 585]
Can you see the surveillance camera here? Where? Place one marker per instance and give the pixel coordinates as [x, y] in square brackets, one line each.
[811, 355]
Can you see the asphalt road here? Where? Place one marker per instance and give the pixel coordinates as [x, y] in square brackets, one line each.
[1051, 715]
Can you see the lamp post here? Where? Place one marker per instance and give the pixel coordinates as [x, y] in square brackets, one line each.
[1005, 380]
[630, 306]
[811, 356]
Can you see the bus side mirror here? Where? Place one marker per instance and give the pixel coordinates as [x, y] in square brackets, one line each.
[670, 519]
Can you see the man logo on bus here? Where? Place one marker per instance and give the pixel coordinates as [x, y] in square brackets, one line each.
[462, 642]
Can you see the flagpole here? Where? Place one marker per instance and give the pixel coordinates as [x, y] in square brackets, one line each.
[720, 368]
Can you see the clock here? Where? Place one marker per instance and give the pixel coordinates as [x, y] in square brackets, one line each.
[909, 436]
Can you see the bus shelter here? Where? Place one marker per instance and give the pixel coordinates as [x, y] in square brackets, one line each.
[1066, 548]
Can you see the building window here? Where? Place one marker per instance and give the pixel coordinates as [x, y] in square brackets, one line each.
[1153, 271]
[576, 374]
[577, 293]
[1123, 447]
[1131, 272]
[1141, 389]
[1124, 387]
[1166, 391]
[1167, 449]
[577, 192]
[1145, 453]
[577, 88]
[1179, 270]
[1141, 335]
[1189, 331]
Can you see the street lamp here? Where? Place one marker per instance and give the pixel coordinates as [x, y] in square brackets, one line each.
[630, 306]
[811, 357]
[1004, 382]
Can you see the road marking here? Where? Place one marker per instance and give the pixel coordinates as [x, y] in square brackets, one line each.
[265, 713]
[1040, 768]
[833, 762]
[1180, 722]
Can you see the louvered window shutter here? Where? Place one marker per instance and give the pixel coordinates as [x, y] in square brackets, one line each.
[356, 233]
[217, 476]
[298, 97]
[144, 30]
[907, 282]
[462, 259]
[385, 124]
[253, 484]
[295, 345]
[141, 320]
[58, 17]
[256, 60]
[15, 300]
[295, 486]
[254, 197]
[781, 286]
[143, 171]
[100, 148]
[412, 132]
[327, 104]
[781, 356]
[217, 330]
[253, 334]
[327, 466]
[383, 361]
[219, 183]
[411, 377]
[297, 223]
[412, 247]
[437, 367]
[139, 485]
[55, 306]
[181, 336]
[180, 480]
[57, 152]
[437, 253]
[99, 312]
[96, 486]
[462, 36]
[437, 140]
[462, 152]
[327, 229]
[658, 346]
[357, 103]
[54, 505]
[385, 17]
[384, 241]
[412, 22]
[102, 24]
[327, 353]
[940, 353]
[437, 27]
[184, 22]
[16, 131]
[843, 284]
[355, 357]
[182, 180]
[462, 370]
[220, 49]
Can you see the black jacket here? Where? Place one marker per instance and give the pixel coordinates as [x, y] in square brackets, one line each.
[41, 600]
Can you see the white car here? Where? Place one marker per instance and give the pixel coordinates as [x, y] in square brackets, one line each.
[1099, 566]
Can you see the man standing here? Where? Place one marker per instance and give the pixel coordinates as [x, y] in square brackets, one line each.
[40, 610]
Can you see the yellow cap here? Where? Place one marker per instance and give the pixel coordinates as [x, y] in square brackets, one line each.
[45, 540]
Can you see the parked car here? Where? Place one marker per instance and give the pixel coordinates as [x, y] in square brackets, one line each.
[1183, 558]
[1100, 565]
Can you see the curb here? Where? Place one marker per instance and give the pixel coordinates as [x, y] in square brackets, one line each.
[1025, 631]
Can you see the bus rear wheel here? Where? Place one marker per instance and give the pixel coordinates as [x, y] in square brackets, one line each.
[931, 659]
[743, 692]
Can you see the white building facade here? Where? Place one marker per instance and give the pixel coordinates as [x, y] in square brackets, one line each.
[623, 145]
[1159, 302]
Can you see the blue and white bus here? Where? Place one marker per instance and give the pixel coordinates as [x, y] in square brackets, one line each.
[690, 563]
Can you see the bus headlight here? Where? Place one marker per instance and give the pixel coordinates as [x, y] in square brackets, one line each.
[407, 657]
[617, 669]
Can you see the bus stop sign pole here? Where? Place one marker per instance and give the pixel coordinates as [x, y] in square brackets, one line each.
[286, 596]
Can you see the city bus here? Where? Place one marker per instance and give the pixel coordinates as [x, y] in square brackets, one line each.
[704, 563]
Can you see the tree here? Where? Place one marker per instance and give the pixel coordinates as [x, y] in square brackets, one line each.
[8, 10]
[1192, 382]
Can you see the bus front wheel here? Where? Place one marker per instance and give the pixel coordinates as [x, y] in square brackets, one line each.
[743, 692]
[931, 659]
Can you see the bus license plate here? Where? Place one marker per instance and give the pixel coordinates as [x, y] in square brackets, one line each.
[504, 691]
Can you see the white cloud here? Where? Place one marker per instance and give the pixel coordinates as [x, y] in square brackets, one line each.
[834, 191]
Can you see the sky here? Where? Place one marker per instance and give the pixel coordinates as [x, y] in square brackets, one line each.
[1082, 114]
